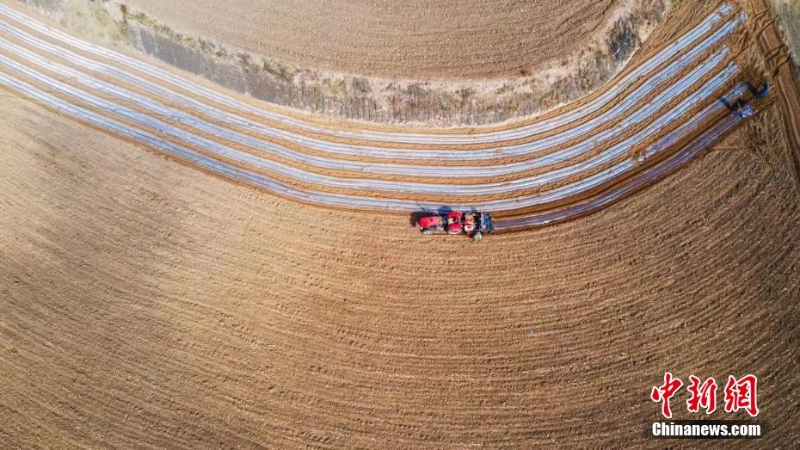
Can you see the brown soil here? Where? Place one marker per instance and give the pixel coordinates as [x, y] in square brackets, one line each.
[146, 304]
[409, 39]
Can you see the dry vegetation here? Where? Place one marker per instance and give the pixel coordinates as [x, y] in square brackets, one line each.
[395, 75]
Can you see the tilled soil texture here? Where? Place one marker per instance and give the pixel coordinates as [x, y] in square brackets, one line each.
[146, 304]
[407, 39]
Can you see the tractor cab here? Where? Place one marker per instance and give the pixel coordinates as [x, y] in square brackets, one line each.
[454, 225]
[469, 224]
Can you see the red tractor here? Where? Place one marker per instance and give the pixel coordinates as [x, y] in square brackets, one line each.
[472, 224]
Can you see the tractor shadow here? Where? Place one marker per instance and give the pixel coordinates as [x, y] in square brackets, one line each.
[740, 102]
[737, 105]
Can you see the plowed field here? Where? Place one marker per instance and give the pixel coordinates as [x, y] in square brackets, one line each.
[147, 304]
[144, 303]
[410, 39]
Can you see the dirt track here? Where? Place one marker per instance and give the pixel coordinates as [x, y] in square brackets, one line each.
[409, 39]
[145, 303]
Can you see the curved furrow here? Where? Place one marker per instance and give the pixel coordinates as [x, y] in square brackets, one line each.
[706, 139]
[569, 154]
[447, 136]
[452, 191]
[345, 201]
[643, 125]
[622, 108]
